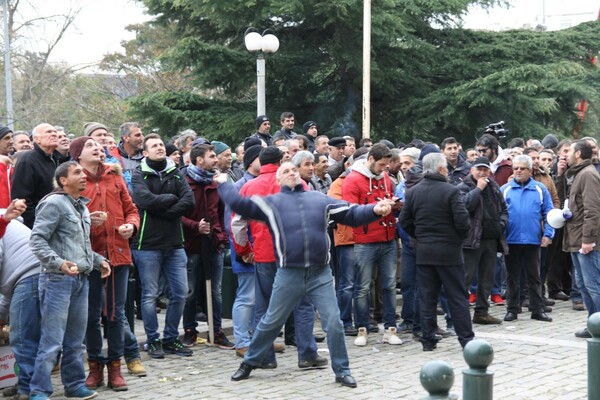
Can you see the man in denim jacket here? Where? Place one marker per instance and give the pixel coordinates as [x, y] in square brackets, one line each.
[60, 239]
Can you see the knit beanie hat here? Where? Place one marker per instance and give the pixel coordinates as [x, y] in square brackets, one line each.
[270, 155]
[308, 125]
[170, 148]
[550, 141]
[90, 127]
[250, 155]
[4, 130]
[251, 141]
[427, 149]
[219, 146]
[76, 147]
[260, 119]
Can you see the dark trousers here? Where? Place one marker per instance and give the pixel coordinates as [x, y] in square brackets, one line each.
[430, 279]
[559, 266]
[481, 262]
[524, 257]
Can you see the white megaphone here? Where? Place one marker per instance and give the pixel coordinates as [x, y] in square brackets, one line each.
[557, 217]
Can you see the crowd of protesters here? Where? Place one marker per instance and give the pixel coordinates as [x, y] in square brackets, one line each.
[309, 223]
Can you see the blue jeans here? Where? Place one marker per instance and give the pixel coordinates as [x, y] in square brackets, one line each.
[243, 309]
[116, 293]
[131, 348]
[410, 287]
[588, 278]
[575, 294]
[212, 265]
[304, 313]
[381, 255]
[172, 263]
[345, 279]
[25, 328]
[63, 307]
[290, 286]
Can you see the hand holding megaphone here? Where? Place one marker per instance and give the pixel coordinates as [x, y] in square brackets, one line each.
[557, 217]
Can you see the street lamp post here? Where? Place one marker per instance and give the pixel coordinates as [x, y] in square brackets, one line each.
[265, 43]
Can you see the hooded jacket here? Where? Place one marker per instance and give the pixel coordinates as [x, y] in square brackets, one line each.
[129, 163]
[343, 234]
[108, 192]
[361, 186]
[162, 199]
[584, 202]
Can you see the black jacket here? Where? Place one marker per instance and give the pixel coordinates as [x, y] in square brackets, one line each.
[474, 202]
[33, 179]
[162, 199]
[434, 213]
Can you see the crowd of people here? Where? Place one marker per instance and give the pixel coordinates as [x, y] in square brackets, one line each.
[311, 224]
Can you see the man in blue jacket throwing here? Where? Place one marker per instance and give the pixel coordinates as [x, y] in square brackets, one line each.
[298, 220]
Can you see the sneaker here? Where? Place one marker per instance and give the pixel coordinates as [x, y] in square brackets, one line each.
[349, 330]
[486, 320]
[136, 368]
[81, 393]
[405, 327]
[391, 336]
[497, 300]
[472, 299]
[190, 337]
[222, 342]
[443, 333]
[361, 339]
[155, 349]
[176, 347]
[38, 396]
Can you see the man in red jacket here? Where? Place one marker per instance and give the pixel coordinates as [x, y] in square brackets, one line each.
[114, 220]
[375, 243]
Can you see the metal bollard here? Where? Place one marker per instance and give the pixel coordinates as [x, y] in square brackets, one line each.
[478, 383]
[437, 377]
[593, 325]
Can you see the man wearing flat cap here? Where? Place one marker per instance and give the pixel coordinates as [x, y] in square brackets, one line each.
[336, 149]
[263, 129]
[488, 217]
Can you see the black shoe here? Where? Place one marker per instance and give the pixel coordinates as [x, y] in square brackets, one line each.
[190, 337]
[350, 331]
[318, 362]
[347, 381]
[243, 372]
[418, 335]
[155, 349]
[548, 302]
[222, 342]
[267, 365]
[547, 309]
[177, 348]
[319, 338]
[583, 334]
[290, 342]
[429, 346]
[541, 316]
[373, 328]
[562, 296]
[510, 316]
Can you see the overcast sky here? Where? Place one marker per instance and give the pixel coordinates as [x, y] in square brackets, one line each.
[100, 26]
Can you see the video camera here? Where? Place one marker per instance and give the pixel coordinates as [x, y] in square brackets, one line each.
[497, 129]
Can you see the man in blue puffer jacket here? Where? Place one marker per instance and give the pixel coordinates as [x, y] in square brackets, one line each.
[298, 221]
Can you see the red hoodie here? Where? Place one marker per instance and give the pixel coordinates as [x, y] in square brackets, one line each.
[361, 186]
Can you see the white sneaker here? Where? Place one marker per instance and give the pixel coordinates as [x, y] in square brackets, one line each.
[361, 339]
[390, 336]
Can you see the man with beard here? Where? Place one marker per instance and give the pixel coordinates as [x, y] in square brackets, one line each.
[162, 196]
[205, 239]
[311, 132]
[263, 129]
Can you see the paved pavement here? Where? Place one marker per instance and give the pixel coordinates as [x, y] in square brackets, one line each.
[533, 360]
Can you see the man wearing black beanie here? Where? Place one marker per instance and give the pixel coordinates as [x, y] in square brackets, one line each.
[263, 129]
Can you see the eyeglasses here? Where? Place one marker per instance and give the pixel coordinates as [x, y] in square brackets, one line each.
[520, 168]
[485, 149]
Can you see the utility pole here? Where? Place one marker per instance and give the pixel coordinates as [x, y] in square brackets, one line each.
[366, 87]
[10, 121]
